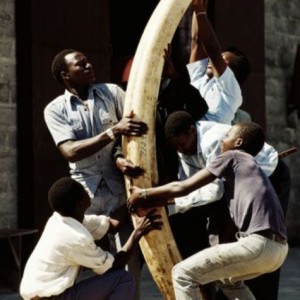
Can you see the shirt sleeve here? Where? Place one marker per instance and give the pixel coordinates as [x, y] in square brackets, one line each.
[57, 124]
[91, 256]
[196, 71]
[267, 159]
[119, 101]
[225, 100]
[96, 225]
[205, 195]
[220, 164]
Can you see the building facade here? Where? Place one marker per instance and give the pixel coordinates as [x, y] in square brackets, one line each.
[19, 120]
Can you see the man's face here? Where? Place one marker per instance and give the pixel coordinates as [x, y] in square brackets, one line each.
[228, 58]
[79, 70]
[186, 143]
[231, 140]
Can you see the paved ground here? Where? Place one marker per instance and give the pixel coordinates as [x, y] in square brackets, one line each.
[289, 285]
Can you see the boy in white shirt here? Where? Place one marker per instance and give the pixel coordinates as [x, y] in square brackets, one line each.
[67, 243]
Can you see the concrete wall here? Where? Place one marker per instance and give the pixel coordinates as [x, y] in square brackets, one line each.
[282, 34]
[8, 128]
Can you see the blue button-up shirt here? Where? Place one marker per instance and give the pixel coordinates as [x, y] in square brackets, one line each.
[69, 118]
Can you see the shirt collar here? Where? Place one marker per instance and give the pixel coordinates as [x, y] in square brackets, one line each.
[91, 93]
[68, 220]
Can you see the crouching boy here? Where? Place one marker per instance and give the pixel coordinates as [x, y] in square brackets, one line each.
[261, 245]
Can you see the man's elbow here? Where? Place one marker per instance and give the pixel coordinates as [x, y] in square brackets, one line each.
[69, 152]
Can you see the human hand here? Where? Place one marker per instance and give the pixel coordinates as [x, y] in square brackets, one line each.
[128, 168]
[135, 198]
[118, 218]
[130, 125]
[151, 221]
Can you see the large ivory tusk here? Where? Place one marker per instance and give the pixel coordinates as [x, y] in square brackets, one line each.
[159, 248]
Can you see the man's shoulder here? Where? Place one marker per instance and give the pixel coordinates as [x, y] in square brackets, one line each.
[56, 103]
[109, 91]
[234, 156]
[71, 231]
[240, 156]
[106, 86]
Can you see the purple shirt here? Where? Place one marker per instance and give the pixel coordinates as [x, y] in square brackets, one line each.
[252, 201]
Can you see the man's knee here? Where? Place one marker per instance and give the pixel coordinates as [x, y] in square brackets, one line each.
[181, 276]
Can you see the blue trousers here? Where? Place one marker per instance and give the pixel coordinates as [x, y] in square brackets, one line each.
[113, 285]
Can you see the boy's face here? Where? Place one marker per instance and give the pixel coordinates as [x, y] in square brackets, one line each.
[228, 58]
[231, 140]
[186, 143]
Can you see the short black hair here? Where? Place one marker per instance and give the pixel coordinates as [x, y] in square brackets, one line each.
[240, 65]
[59, 64]
[64, 194]
[178, 122]
[252, 135]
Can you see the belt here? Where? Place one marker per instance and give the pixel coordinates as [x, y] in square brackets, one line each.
[272, 236]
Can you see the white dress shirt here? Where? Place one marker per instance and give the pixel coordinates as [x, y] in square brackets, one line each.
[64, 246]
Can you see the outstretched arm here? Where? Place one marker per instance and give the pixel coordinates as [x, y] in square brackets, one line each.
[204, 40]
[152, 221]
[161, 195]
[197, 49]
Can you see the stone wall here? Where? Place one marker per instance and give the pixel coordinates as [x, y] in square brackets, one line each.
[8, 128]
[282, 34]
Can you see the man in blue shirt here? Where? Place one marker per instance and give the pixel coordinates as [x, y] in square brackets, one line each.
[84, 122]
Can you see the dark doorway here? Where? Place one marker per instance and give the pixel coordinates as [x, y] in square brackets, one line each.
[43, 29]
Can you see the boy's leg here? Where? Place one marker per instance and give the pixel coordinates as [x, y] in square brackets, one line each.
[193, 221]
[237, 291]
[244, 259]
[112, 285]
